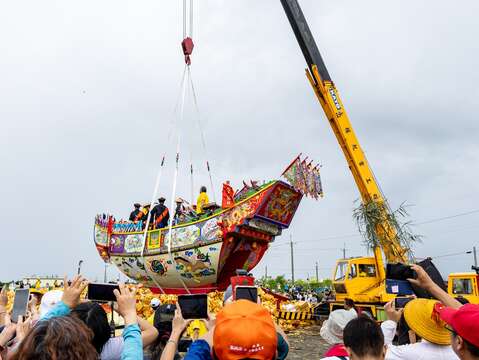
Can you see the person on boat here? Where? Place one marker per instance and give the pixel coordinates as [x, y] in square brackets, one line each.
[180, 211]
[202, 200]
[227, 200]
[179, 208]
[160, 214]
[142, 215]
[135, 212]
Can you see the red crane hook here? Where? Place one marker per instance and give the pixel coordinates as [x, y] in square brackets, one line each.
[187, 45]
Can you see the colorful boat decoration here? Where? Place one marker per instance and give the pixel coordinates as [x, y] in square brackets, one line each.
[200, 256]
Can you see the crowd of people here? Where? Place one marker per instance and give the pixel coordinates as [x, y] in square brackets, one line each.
[66, 327]
[440, 329]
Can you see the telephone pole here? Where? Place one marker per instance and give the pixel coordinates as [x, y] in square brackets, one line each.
[317, 272]
[475, 256]
[292, 257]
[344, 251]
[79, 266]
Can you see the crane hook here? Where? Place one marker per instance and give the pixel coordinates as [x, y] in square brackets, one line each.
[187, 45]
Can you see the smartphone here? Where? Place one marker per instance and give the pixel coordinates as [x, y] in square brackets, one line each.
[20, 303]
[101, 292]
[400, 302]
[194, 306]
[246, 292]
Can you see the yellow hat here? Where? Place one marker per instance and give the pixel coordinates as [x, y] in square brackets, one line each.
[422, 318]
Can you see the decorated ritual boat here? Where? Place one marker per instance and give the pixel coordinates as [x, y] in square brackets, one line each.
[200, 256]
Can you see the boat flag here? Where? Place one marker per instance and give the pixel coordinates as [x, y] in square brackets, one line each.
[304, 177]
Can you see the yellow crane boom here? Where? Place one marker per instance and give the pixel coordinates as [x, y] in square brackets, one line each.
[333, 107]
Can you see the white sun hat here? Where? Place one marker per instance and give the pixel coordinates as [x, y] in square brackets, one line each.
[49, 300]
[332, 329]
[155, 302]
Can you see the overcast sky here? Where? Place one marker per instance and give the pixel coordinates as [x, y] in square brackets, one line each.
[87, 91]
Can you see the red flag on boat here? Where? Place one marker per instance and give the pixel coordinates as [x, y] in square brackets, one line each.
[228, 196]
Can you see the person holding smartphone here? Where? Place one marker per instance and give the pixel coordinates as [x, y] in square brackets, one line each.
[3, 304]
[423, 318]
[282, 350]
[58, 321]
[242, 329]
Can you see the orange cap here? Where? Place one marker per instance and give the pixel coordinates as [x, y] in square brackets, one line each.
[244, 329]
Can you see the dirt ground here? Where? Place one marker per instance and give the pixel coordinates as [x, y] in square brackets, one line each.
[306, 344]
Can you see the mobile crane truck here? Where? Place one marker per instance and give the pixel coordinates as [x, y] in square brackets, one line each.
[362, 279]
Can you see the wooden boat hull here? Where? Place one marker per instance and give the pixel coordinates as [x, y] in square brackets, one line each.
[202, 255]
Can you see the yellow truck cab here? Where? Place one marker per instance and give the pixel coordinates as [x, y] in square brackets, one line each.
[359, 279]
[465, 285]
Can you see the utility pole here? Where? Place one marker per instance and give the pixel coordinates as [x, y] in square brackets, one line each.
[292, 258]
[344, 251]
[475, 256]
[317, 272]
[266, 272]
[79, 266]
[104, 275]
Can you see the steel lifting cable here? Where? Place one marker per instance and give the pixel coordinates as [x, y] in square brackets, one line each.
[173, 125]
[202, 134]
[192, 180]
[184, 19]
[191, 19]
[173, 195]
[170, 220]
[157, 185]
[187, 45]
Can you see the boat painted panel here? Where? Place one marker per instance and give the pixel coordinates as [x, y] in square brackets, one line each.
[281, 205]
[194, 267]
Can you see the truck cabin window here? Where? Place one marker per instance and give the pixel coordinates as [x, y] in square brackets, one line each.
[366, 270]
[341, 271]
[353, 272]
[462, 286]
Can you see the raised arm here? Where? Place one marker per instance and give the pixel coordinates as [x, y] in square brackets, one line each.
[126, 299]
[148, 332]
[424, 281]
[3, 304]
[178, 326]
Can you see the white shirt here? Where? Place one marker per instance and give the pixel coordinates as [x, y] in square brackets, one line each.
[423, 350]
[112, 349]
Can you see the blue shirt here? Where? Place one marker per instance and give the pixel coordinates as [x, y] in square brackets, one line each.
[199, 350]
[133, 347]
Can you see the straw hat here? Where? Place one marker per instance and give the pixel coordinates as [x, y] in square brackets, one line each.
[423, 319]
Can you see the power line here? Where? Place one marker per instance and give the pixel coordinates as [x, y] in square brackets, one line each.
[446, 217]
[452, 254]
[319, 239]
[359, 235]
[311, 248]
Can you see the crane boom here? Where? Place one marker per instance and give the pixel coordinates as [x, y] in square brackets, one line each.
[333, 107]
